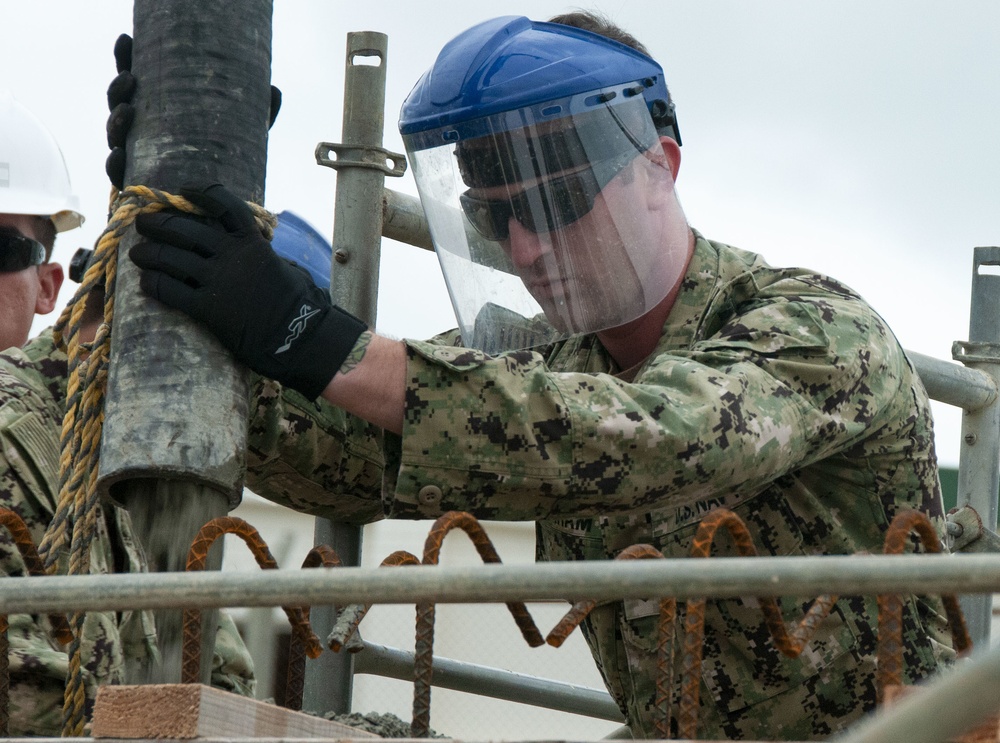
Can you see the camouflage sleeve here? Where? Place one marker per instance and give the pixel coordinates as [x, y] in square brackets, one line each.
[783, 383]
[313, 457]
[232, 666]
[37, 663]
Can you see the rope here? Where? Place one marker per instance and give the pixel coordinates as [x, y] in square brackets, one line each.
[75, 520]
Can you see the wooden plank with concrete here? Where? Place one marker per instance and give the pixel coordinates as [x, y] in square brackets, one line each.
[186, 711]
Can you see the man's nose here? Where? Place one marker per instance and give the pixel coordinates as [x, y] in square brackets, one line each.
[525, 247]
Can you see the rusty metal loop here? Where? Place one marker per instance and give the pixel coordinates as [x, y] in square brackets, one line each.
[788, 643]
[424, 643]
[487, 552]
[890, 606]
[21, 536]
[664, 637]
[322, 555]
[197, 558]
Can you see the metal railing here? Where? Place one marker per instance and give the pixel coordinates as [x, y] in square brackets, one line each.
[957, 700]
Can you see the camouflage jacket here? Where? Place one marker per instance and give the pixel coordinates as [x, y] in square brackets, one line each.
[32, 398]
[776, 393]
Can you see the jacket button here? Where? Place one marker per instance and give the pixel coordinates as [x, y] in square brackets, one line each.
[429, 495]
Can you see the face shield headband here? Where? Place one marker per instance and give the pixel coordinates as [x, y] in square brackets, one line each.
[18, 252]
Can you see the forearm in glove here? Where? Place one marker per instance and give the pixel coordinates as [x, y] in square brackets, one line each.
[221, 271]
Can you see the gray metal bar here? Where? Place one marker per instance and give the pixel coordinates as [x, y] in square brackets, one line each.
[979, 456]
[403, 219]
[354, 272]
[497, 683]
[953, 383]
[940, 711]
[612, 580]
[357, 225]
[329, 680]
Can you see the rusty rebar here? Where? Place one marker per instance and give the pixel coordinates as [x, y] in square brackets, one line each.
[21, 536]
[198, 556]
[424, 643]
[788, 643]
[33, 563]
[322, 555]
[890, 606]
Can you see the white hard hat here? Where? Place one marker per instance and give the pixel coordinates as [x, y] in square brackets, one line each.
[33, 174]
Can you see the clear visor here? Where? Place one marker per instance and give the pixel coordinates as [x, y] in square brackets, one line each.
[546, 219]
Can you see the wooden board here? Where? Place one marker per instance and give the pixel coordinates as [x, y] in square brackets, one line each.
[184, 711]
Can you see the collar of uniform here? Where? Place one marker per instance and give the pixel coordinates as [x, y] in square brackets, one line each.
[47, 361]
[717, 277]
[698, 286]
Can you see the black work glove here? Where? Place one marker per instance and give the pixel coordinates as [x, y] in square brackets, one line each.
[120, 94]
[222, 272]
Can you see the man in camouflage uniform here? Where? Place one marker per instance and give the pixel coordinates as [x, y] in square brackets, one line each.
[35, 203]
[678, 375]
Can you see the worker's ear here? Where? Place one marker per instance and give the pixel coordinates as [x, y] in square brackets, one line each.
[665, 157]
[50, 279]
[668, 154]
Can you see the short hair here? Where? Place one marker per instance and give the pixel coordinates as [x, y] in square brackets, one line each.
[600, 24]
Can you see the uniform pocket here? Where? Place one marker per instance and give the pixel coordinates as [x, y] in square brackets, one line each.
[32, 450]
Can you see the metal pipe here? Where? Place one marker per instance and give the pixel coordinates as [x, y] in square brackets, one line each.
[979, 456]
[497, 683]
[953, 383]
[357, 228]
[724, 577]
[956, 701]
[403, 219]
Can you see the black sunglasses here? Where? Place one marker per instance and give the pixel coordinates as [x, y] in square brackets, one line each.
[564, 200]
[18, 252]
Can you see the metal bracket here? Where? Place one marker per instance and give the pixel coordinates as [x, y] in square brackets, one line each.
[970, 352]
[965, 532]
[336, 156]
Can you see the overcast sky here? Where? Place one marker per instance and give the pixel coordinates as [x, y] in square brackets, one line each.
[857, 138]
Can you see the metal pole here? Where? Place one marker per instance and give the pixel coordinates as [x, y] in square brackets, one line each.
[954, 384]
[491, 682]
[403, 220]
[723, 577]
[979, 457]
[357, 230]
[176, 408]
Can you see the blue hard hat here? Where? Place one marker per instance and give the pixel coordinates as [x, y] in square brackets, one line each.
[512, 62]
[298, 241]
